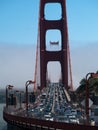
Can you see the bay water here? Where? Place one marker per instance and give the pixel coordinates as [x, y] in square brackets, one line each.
[3, 124]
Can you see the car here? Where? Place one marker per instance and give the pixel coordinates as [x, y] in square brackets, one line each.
[48, 117]
[74, 112]
[63, 119]
[74, 120]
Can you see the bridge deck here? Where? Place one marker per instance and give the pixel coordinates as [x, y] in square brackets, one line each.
[50, 110]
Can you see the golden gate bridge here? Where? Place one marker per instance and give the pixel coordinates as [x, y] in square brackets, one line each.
[51, 101]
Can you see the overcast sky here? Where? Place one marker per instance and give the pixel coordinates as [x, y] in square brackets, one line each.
[18, 37]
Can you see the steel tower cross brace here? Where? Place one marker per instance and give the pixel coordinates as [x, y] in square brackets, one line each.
[62, 55]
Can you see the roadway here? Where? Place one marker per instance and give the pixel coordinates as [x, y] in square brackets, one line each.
[53, 104]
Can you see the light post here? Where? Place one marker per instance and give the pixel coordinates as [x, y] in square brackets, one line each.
[27, 84]
[89, 75]
[8, 87]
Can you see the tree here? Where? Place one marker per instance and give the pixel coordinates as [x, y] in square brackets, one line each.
[82, 86]
[93, 85]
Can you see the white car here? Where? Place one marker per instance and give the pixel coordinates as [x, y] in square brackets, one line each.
[74, 120]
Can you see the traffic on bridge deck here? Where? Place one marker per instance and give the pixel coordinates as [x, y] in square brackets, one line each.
[52, 104]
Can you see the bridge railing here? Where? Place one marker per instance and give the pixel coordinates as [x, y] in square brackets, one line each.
[27, 122]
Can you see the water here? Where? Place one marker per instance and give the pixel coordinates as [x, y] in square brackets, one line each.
[3, 124]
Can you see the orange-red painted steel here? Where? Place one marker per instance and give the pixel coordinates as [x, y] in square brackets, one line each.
[62, 55]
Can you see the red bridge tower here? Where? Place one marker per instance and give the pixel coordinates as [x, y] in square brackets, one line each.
[61, 55]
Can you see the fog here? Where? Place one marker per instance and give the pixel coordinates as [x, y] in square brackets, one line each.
[17, 63]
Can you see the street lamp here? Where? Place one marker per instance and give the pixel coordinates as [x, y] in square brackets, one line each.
[27, 84]
[8, 87]
[89, 75]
